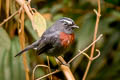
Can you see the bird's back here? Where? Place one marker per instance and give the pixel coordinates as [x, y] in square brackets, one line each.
[55, 42]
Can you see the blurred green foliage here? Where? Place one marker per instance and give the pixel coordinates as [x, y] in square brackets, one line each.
[106, 67]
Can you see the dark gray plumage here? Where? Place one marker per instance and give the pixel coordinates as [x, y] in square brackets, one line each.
[54, 40]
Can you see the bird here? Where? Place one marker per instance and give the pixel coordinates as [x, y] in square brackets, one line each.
[56, 40]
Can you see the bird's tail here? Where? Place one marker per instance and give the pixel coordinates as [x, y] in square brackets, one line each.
[24, 50]
[32, 46]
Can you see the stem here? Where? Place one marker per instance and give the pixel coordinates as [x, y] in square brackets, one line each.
[22, 42]
[48, 74]
[9, 18]
[22, 3]
[94, 38]
[84, 49]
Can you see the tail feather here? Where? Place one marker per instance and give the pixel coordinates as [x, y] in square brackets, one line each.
[24, 50]
[32, 46]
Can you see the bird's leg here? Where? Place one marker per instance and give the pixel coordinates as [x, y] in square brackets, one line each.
[63, 63]
[59, 60]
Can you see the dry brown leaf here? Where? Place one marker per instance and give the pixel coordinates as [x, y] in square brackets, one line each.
[39, 23]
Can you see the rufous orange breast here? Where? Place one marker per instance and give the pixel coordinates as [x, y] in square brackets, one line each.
[66, 39]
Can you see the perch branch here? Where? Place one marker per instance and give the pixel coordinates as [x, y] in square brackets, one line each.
[85, 49]
[48, 74]
[66, 70]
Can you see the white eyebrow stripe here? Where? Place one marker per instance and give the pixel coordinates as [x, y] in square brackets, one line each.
[69, 22]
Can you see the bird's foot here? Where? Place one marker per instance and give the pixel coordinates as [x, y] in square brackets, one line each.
[66, 64]
[63, 63]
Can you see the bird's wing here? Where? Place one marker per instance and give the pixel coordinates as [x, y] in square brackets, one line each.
[47, 42]
[43, 48]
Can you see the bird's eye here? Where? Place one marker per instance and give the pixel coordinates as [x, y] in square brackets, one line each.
[72, 23]
[65, 23]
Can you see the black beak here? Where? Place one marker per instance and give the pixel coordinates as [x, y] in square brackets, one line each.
[75, 26]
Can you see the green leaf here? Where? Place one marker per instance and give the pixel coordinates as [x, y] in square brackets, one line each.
[84, 36]
[13, 9]
[56, 8]
[86, 31]
[4, 49]
[2, 67]
[30, 29]
[15, 63]
[11, 68]
[39, 72]
[4, 40]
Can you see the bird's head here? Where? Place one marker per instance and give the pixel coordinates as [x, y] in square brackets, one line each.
[67, 25]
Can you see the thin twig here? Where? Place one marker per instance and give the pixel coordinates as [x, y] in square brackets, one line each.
[7, 8]
[97, 55]
[85, 49]
[36, 68]
[22, 3]
[64, 68]
[29, 1]
[49, 67]
[22, 42]
[28, 4]
[94, 38]
[0, 6]
[96, 12]
[48, 74]
[9, 17]
[90, 57]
